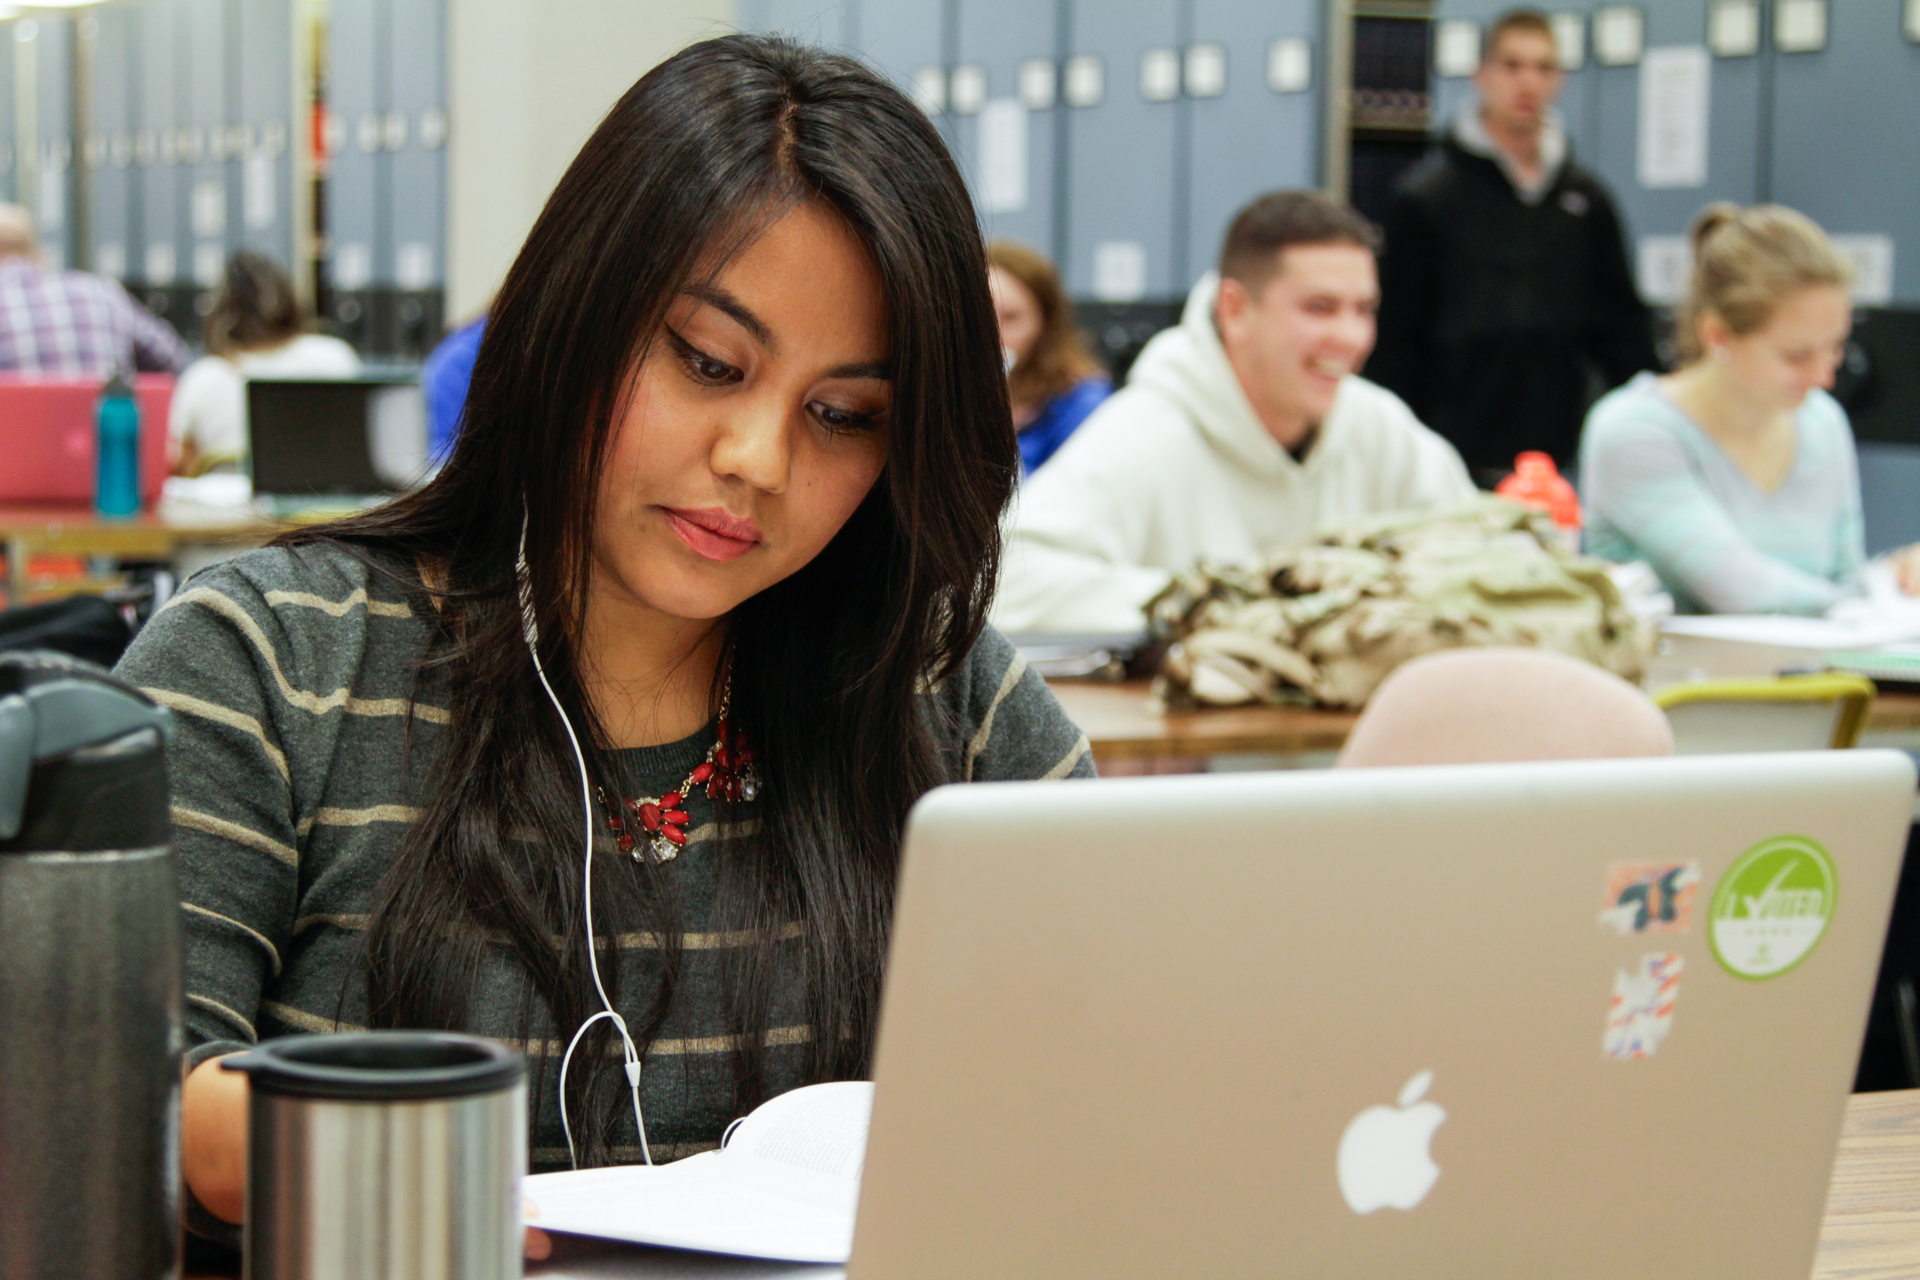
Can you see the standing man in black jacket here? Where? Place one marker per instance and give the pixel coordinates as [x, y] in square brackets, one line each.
[1505, 287]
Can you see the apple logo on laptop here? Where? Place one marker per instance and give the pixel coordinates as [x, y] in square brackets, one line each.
[1384, 1159]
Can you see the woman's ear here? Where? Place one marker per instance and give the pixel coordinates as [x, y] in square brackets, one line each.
[1714, 335]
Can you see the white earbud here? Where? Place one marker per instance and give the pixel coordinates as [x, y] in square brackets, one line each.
[530, 628]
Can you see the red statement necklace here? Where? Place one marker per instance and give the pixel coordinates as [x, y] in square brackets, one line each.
[727, 774]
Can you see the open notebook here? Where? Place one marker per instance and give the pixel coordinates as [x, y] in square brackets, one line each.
[784, 1185]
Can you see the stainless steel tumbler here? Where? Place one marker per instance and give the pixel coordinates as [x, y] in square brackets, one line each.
[90, 1012]
[384, 1155]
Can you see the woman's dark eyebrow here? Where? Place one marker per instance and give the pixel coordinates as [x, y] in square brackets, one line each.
[719, 299]
[878, 372]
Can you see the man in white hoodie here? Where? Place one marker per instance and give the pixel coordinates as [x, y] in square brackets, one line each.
[1242, 429]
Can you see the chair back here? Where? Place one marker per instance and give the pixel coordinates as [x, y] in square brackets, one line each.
[1780, 713]
[1479, 706]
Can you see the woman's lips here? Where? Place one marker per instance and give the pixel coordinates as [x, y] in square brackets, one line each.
[713, 533]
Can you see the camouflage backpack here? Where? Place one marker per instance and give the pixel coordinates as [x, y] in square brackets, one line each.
[1325, 623]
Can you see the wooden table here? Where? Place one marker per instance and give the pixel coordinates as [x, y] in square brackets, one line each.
[1871, 1232]
[1127, 738]
[78, 531]
[1872, 1229]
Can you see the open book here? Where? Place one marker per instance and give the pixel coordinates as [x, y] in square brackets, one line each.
[783, 1185]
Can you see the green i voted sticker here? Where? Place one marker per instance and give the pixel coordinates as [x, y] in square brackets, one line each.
[1772, 906]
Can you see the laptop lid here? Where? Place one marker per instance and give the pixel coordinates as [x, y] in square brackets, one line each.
[49, 436]
[1567, 1019]
[336, 437]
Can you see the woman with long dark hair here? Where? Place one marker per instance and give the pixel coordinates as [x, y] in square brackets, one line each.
[738, 435]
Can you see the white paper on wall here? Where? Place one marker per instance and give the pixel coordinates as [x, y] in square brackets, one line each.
[1662, 264]
[1160, 75]
[209, 263]
[209, 208]
[1675, 93]
[256, 190]
[413, 265]
[1733, 28]
[967, 90]
[1456, 48]
[930, 90]
[1872, 258]
[1003, 156]
[110, 259]
[1619, 31]
[53, 198]
[1570, 39]
[1289, 65]
[1119, 271]
[1086, 80]
[1800, 26]
[1037, 84]
[160, 264]
[352, 266]
[1206, 71]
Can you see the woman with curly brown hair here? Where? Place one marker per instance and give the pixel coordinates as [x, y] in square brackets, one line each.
[1053, 380]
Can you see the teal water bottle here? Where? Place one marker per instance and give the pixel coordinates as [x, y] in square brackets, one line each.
[117, 447]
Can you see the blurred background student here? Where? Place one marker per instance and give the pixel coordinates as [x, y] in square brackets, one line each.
[443, 382]
[71, 323]
[1053, 380]
[1734, 476]
[1505, 288]
[256, 329]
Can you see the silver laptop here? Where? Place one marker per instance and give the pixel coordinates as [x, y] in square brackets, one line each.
[1571, 1019]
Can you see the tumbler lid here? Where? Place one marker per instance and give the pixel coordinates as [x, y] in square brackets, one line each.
[52, 705]
[381, 1066]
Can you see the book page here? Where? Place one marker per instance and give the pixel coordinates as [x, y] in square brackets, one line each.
[785, 1187]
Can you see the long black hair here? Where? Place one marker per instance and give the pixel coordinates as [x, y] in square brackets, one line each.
[696, 159]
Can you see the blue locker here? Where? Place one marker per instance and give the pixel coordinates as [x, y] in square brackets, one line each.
[1249, 139]
[205, 65]
[834, 23]
[8, 131]
[262, 201]
[356, 199]
[902, 38]
[998, 37]
[1123, 181]
[417, 88]
[53, 45]
[110, 149]
[163, 255]
[1732, 130]
[1842, 133]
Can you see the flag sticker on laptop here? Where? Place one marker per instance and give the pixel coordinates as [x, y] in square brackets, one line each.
[1641, 1012]
[1650, 897]
[1771, 907]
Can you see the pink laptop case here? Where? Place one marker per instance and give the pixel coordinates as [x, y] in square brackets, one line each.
[47, 436]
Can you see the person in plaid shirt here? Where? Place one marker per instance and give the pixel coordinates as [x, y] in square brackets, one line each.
[71, 322]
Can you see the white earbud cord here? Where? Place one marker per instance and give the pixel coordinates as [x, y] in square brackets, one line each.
[532, 631]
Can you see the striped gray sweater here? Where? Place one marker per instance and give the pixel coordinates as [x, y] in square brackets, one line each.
[290, 675]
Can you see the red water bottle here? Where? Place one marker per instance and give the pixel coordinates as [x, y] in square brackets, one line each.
[1536, 482]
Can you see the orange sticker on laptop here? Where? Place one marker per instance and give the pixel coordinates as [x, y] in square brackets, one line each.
[1650, 897]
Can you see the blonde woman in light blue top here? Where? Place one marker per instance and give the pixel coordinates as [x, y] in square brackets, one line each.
[1734, 477]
